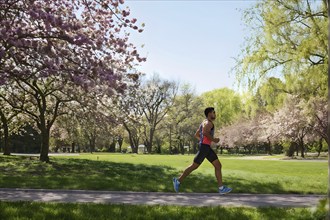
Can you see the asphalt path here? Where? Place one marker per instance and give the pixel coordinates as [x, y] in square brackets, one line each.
[160, 198]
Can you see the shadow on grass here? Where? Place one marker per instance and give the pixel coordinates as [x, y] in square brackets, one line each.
[84, 174]
[20, 172]
[35, 210]
[208, 183]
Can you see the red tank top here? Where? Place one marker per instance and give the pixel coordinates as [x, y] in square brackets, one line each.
[204, 139]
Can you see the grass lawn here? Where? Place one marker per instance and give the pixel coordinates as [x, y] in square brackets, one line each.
[130, 172]
[57, 211]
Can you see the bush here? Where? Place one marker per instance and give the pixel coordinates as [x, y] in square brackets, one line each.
[290, 148]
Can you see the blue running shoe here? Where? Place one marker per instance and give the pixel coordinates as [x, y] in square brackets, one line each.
[176, 184]
[225, 190]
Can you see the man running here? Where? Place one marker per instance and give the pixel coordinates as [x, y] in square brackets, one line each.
[205, 135]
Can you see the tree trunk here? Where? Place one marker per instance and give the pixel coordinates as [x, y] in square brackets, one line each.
[297, 149]
[181, 147]
[72, 147]
[120, 142]
[292, 149]
[158, 141]
[149, 142]
[6, 147]
[135, 144]
[320, 147]
[269, 147]
[112, 147]
[92, 140]
[132, 141]
[301, 146]
[44, 145]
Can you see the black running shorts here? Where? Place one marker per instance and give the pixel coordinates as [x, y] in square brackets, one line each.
[205, 151]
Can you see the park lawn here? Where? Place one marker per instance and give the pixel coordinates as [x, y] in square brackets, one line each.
[132, 172]
[89, 211]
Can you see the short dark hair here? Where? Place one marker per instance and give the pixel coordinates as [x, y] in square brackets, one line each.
[208, 110]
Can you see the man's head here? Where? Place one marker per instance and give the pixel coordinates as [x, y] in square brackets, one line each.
[209, 113]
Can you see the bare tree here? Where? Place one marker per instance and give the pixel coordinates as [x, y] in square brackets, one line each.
[156, 98]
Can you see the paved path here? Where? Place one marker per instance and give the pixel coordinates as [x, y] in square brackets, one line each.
[155, 198]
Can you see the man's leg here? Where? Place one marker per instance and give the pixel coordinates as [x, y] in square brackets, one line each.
[188, 170]
[217, 168]
[199, 158]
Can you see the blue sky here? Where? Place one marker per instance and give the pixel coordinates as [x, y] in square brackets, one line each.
[191, 42]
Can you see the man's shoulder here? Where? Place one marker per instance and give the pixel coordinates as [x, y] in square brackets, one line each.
[207, 122]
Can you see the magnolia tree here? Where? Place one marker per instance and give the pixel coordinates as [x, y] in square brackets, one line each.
[230, 136]
[316, 111]
[291, 123]
[252, 134]
[47, 44]
[267, 130]
[297, 121]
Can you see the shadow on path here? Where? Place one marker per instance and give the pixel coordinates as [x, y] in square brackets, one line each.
[156, 198]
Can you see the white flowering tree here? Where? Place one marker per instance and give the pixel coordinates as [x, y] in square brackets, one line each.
[291, 123]
[316, 111]
[155, 102]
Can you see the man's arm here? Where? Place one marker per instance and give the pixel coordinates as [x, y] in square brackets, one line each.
[197, 135]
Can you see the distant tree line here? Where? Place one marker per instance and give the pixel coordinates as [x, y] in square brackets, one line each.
[69, 83]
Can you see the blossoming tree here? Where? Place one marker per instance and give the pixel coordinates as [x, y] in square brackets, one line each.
[54, 51]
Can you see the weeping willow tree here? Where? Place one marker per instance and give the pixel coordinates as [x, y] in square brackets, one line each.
[288, 40]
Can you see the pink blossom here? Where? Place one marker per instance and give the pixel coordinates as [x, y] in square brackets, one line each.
[71, 43]
[125, 13]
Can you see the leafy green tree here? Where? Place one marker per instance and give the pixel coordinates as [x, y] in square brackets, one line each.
[288, 39]
[227, 104]
[249, 105]
[183, 119]
[270, 95]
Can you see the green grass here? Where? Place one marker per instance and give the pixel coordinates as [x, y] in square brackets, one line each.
[49, 211]
[130, 172]
[154, 173]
